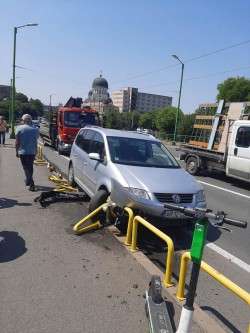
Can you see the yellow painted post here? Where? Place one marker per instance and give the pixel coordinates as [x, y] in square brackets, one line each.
[169, 261]
[85, 219]
[130, 225]
[182, 276]
[215, 274]
[226, 282]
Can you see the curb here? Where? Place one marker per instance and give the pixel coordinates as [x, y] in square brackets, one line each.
[203, 320]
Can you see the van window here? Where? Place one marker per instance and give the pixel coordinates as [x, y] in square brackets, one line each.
[87, 141]
[98, 145]
[79, 139]
[243, 137]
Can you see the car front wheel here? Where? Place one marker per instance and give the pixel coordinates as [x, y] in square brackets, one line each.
[71, 179]
[96, 201]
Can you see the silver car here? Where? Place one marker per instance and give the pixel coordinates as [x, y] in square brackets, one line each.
[141, 164]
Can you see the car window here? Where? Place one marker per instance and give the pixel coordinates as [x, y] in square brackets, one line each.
[87, 141]
[98, 145]
[139, 152]
[79, 139]
[243, 137]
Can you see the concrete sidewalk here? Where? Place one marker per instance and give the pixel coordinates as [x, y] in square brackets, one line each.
[55, 281]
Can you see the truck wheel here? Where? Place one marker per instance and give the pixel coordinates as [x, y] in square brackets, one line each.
[96, 201]
[71, 179]
[192, 166]
[59, 150]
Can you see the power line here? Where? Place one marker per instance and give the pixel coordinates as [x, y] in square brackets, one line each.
[189, 60]
[151, 72]
[55, 76]
[197, 77]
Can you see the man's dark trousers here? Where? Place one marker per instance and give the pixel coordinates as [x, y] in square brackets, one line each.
[27, 163]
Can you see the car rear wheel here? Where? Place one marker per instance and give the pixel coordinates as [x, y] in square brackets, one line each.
[96, 201]
[71, 179]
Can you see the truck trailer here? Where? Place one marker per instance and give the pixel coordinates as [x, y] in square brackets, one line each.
[220, 141]
[65, 124]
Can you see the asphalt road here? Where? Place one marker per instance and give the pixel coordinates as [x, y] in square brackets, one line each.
[226, 252]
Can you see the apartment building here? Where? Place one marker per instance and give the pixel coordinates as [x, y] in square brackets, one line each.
[130, 99]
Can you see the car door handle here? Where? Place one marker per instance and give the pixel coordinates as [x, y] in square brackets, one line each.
[75, 154]
[85, 163]
[235, 151]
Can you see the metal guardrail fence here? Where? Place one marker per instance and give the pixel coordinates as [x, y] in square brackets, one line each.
[215, 274]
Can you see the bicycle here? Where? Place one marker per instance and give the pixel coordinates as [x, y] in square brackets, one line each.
[156, 311]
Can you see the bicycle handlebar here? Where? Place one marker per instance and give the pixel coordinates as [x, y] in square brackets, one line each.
[219, 217]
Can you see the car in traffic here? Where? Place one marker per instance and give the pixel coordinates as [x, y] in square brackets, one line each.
[36, 123]
[141, 164]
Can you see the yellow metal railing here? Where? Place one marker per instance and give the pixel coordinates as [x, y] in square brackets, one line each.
[39, 156]
[78, 229]
[215, 274]
[169, 262]
[130, 225]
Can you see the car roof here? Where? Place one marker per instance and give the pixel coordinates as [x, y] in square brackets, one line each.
[121, 133]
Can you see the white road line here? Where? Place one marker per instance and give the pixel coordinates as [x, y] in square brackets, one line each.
[223, 189]
[229, 256]
[226, 254]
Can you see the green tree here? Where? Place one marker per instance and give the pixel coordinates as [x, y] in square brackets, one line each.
[132, 120]
[165, 121]
[21, 98]
[147, 120]
[36, 107]
[4, 109]
[186, 124]
[234, 90]
[113, 120]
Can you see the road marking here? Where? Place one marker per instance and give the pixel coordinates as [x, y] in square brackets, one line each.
[229, 256]
[223, 189]
[67, 158]
[226, 254]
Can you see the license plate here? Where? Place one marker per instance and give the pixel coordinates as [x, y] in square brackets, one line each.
[173, 214]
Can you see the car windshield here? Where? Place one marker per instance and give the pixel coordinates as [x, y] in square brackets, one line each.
[139, 152]
[79, 119]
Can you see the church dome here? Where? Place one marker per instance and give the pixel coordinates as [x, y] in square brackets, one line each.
[100, 82]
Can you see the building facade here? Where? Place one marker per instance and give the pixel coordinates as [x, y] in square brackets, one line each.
[4, 92]
[130, 99]
[98, 97]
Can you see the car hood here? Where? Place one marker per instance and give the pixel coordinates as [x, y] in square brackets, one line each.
[158, 180]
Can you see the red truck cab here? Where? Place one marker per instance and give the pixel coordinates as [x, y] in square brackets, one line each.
[69, 121]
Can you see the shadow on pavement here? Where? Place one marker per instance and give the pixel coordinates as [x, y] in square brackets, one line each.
[221, 318]
[8, 203]
[12, 246]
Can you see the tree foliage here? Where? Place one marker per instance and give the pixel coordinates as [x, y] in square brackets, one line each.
[23, 105]
[234, 90]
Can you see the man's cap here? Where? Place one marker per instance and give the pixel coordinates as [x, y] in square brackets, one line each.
[26, 117]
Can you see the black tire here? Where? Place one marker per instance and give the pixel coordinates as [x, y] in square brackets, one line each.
[96, 201]
[71, 179]
[59, 150]
[45, 143]
[192, 166]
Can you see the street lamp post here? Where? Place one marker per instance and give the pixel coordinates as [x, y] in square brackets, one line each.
[50, 106]
[178, 108]
[12, 134]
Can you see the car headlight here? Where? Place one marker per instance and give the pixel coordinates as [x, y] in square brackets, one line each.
[139, 192]
[200, 196]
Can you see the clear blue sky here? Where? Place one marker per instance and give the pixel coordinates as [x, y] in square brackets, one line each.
[126, 39]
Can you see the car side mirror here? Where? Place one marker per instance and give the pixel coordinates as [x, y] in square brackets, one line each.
[95, 156]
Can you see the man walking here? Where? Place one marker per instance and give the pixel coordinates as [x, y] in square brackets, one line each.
[26, 148]
[3, 129]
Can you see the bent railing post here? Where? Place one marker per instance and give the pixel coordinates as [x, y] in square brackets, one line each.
[169, 261]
